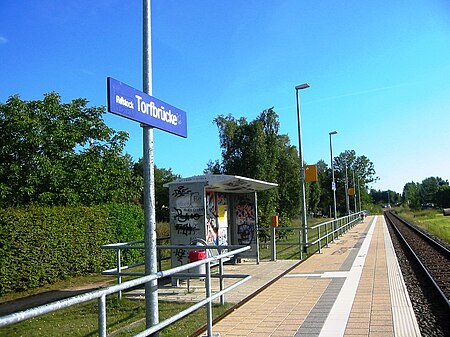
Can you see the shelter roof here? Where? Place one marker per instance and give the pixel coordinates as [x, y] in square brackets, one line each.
[227, 183]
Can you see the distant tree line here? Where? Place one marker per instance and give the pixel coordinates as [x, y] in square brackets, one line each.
[385, 198]
[63, 154]
[431, 192]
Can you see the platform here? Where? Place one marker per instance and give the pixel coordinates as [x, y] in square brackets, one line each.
[353, 288]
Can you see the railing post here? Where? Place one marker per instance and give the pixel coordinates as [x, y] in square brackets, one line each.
[102, 316]
[326, 235]
[158, 254]
[319, 243]
[119, 268]
[300, 243]
[221, 283]
[209, 318]
[333, 229]
[273, 245]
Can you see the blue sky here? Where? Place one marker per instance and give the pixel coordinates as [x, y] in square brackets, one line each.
[379, 72]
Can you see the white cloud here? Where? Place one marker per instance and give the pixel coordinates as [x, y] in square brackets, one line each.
[3, 40]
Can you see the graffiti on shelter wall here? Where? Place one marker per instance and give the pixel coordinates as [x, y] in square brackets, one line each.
[216, 218]
[246, 223]
[246, 233]
[186, 218]
[212, 227]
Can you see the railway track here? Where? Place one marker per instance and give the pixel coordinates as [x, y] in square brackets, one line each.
[430, 262]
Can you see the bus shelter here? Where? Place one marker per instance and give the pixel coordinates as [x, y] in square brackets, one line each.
[218, 210]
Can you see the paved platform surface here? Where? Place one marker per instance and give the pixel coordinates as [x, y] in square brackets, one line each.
[353, 288]
[194, 291]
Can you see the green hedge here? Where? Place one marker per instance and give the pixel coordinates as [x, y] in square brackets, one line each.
[41, 245]
[127, 222]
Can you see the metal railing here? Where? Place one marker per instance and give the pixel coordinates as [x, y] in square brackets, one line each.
[101, 294]
[326, 232]
[334, 228]
[120, 270]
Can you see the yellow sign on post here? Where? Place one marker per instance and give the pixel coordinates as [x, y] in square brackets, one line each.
[311, 173]
[351, 191]
[274, 220]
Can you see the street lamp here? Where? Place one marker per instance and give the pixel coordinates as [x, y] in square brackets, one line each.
[347, 199]
[333, 184]
[354, 190]
[302, 169]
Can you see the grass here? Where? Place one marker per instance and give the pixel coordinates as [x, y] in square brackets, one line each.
[431, 220]
[82, 320]
[288, 247]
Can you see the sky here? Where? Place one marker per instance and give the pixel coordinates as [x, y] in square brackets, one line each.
[379, 72]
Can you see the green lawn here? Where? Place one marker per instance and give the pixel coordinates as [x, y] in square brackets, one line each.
[81, 320]
[288, 247]
[433, 221]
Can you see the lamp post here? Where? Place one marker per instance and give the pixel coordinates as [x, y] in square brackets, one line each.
[359, 193]
[347, 200]
[354, 192]
[333, 184]
[302, 170]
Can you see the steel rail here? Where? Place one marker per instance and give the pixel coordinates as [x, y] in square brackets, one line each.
[388, 215]
[444, 250]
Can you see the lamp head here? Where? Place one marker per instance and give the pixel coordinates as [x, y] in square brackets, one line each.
[333, 133]
[302, 86]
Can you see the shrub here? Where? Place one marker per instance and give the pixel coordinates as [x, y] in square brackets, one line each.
[40, 245]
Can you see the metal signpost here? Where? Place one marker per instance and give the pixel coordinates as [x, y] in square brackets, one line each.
[139, 106]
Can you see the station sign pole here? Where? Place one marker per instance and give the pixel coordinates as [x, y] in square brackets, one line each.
[151, 288]
[151, 112]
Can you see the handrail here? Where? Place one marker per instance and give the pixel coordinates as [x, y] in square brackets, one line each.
[329, 229]
[102, 293]
[131, 245]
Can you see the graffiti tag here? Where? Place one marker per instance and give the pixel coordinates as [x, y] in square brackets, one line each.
[245, 211]
[181, 191]
[179, 254]
[183, 217]
[186, 229]
[246, 233]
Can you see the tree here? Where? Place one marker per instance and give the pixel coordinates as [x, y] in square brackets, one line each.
[256, 150]
[162, 176]
[364, 172]
[429, 189]
[411, 196]
[288, 179]
[56, 153]
[443, 197]
[213, 167]
[326, 196]
[385, 197]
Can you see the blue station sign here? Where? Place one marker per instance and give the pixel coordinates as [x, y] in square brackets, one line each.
[136, 105]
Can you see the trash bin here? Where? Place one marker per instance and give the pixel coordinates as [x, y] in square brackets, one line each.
[197, 255]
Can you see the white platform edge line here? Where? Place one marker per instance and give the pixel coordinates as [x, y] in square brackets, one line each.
[337, 319]
[404, 319]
